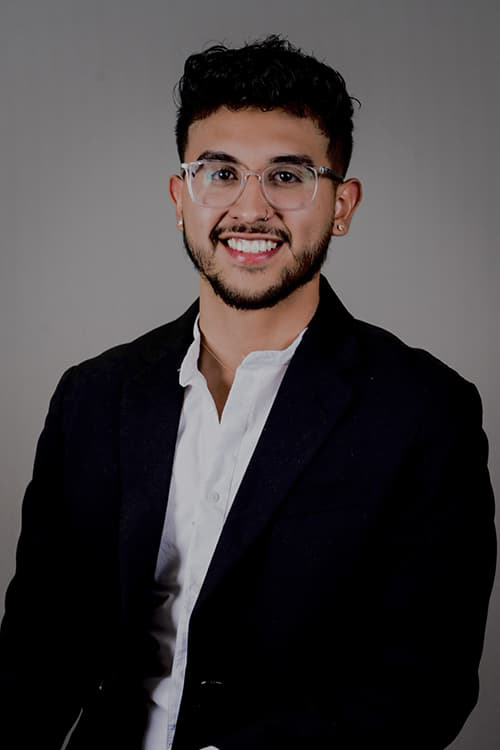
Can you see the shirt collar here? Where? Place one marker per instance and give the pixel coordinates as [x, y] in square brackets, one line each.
[189, 372]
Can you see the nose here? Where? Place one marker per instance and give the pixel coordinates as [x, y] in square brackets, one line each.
[251, 206]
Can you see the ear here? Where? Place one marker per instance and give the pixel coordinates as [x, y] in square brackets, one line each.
[175, 188]
[347, 198]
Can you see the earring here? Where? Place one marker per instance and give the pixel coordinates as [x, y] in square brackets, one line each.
[340, 227]
[180, 223]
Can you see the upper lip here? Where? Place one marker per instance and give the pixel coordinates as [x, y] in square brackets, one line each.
[249, 236]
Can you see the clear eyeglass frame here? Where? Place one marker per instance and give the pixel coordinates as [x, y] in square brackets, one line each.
[317, 172]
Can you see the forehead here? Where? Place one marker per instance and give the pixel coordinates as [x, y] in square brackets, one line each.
[254, 137]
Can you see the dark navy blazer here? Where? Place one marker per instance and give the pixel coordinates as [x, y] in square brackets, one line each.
[346, 601]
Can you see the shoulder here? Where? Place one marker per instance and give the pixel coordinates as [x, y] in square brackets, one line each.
[104, 375]
[410, 378]
[384, 368]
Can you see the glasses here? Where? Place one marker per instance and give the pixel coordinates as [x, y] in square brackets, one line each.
[286, 187]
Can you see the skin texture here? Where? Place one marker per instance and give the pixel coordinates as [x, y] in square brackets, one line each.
[244, 307]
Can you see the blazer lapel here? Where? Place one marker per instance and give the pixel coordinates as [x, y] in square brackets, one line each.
[150, 412]
[314, 394]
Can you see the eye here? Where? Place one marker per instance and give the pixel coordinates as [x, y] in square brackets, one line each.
[223, 174]
[286, 176]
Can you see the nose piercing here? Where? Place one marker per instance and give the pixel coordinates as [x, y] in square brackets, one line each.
[266, 217]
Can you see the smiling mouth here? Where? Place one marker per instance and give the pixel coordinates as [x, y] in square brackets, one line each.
[251, 252]
[253, 247]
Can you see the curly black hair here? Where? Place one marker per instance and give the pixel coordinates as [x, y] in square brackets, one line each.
[267, 74]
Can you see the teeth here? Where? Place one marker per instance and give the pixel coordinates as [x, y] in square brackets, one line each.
[252, 246]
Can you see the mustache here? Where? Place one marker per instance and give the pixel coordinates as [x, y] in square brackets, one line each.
[246, 229]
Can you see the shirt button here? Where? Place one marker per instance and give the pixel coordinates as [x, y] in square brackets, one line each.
[214, 497]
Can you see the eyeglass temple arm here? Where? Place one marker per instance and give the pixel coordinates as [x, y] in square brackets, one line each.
[327, 172]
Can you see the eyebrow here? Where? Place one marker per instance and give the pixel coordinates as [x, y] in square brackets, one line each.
[292, 159]
[300, 159]
[217, 156]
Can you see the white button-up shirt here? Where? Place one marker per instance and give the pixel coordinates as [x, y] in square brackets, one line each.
[210, 460]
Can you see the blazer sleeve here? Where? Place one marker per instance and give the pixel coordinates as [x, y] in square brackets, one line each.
[413, 676]
[38, 645]
[415, 680]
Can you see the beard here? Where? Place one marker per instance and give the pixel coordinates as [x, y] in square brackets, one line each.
[307, 263]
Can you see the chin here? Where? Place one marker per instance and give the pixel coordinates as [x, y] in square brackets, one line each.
[264, 298]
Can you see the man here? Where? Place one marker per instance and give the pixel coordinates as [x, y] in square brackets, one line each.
[265, 524]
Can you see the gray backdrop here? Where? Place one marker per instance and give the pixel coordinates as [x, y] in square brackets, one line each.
[89, 252]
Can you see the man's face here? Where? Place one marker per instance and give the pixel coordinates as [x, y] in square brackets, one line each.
[253, 138]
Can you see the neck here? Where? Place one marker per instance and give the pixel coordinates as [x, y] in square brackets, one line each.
[232, 334]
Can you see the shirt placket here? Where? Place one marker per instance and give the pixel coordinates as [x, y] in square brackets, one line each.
[211, 509]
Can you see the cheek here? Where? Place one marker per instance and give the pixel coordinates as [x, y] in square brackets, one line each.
[324, 218]
[200, 222]
[324, 202]
[309, 229]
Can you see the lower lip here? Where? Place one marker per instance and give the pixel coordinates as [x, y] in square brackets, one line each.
[251, 259]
